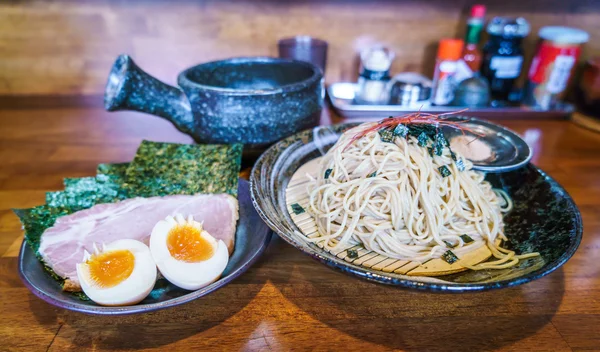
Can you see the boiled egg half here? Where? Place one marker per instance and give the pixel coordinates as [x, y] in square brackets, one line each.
[187, 255]
[121, 273]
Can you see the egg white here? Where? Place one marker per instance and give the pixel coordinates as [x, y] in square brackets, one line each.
[189, 276]
[131, 290]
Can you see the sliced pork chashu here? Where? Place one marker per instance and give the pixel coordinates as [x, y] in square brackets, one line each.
[62, 245]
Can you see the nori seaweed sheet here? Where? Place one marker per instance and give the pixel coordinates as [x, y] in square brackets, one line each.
[160, 169]
[36, 220]
[86, 192]
[158, 163]
[113, 170]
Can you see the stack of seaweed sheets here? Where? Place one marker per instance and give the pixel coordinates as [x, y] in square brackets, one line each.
[158, 169]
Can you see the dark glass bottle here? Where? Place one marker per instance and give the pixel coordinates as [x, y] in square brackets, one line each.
[503, 55]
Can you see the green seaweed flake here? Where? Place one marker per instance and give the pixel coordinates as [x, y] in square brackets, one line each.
[441, 139]
[327, 173]
[460, 165]
[437, 149]
[449, 257]
[417, 129]
[466, 238]
[422, 139]
[160, 169]
[386, 135]
[352, 253]
[401, 130]
[297, 209]
[444, 171]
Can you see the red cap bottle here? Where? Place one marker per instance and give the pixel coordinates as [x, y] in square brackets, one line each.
[478, 11]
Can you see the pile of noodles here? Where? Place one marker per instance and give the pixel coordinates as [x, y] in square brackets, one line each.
[397, 199]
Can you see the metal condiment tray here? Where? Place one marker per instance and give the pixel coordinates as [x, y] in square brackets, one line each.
[341, 95]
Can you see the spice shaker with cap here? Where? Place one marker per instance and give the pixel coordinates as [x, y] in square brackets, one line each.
[503, 55]
[449, 52]
[409, 89]
[374, 75]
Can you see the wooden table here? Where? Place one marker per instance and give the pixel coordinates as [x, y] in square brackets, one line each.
[287, 301]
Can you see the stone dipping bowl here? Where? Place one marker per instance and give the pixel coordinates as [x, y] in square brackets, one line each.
[251, 100]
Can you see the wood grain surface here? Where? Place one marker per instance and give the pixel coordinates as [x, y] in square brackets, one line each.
[67, 46]
[287, 301]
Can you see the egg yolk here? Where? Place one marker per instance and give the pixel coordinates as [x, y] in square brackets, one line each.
[185, 244]
[110, 268]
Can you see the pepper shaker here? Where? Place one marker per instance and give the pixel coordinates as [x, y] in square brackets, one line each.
[374, 75]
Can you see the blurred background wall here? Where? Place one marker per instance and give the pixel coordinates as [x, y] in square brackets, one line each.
[66, 47]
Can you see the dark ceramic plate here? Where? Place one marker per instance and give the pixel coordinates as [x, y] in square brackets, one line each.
[544, 219]
[252, 237]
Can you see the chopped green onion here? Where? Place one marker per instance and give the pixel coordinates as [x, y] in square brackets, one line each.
[352, 253]
[449, 257]
[444, 171]
[466, 238]
[297, 209]
[327, 173]
[372, 174]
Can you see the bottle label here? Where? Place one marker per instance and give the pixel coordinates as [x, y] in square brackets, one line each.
[552, 66]
[444, 87]
[375, 75]
[463, 71]
[560, 73]
[473, 32]
[506, 67]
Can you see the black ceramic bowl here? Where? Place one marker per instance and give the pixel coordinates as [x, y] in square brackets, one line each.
[544, 218]
[251, 100]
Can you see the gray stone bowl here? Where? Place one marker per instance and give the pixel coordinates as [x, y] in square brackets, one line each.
[251, 100]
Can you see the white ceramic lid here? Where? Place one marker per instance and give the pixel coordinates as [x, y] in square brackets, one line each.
[564, 35]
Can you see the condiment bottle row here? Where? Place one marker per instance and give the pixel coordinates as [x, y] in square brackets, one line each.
[464, 75]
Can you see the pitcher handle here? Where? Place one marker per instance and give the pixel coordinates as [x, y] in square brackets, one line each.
[130, 88]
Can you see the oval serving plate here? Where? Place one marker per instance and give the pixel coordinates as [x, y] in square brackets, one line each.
[252, 237]
[544, 219]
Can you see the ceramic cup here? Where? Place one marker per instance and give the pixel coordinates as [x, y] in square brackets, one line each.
[254, 100]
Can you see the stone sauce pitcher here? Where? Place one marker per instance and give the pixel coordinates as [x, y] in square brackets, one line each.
[255, 100]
